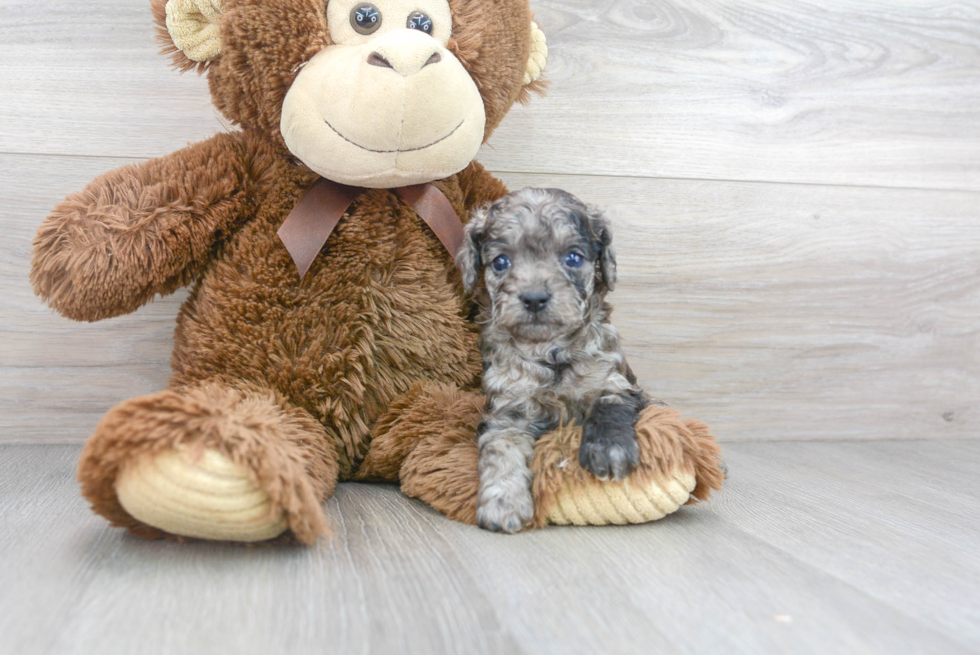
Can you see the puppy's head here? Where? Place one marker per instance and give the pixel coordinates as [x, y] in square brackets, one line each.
[546, 261]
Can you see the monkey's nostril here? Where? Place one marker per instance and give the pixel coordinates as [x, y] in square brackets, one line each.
[535, 301]
[375, 59]
[434, 59]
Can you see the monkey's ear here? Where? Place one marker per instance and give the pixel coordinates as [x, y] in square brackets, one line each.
[536, 61]
[468, 257]
[189, 31]
[602, 242]
[539, 55]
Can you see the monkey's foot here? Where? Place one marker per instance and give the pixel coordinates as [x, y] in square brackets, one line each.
[203, 495]
[679, 463]
[622, 502]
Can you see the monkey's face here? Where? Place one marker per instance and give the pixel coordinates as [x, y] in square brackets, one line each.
[373, 93]
[388, 104]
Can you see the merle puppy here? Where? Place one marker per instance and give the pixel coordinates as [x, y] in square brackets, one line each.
[550, 353]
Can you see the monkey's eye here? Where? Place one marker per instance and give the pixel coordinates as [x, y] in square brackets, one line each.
[365, 18]
[419, 21]
[500, 263]
[574, 260]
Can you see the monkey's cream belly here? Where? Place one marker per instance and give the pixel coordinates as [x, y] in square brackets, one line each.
[205, 496]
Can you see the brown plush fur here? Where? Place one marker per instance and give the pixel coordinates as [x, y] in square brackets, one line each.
[433, 441]
[427, 411]
[387, 280]
[389, 286]
[147, 228]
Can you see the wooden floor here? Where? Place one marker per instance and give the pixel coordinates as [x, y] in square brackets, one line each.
[814, 547]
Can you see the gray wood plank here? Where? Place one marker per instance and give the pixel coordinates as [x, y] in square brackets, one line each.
[49, 545]
[88, 81]
[787, 559]
[896, 520]
[797, 311]
[839, 92]
[70, 584]
[692, 583]
[843, 92]
[770, 311]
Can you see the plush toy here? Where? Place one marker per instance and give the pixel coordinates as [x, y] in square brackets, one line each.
[326, 336]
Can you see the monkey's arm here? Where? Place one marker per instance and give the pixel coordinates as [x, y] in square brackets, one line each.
[479, 186]
[142, 229]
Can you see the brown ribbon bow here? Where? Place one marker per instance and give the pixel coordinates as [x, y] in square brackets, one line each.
[317, 213]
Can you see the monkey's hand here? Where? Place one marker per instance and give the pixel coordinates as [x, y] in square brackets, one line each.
[142, 229]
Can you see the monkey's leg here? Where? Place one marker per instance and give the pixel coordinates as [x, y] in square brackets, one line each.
[210, 461]
[426, 441]
[680, 463]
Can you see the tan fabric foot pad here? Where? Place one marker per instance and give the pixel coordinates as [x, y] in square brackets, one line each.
[203, 495]
[619, 503]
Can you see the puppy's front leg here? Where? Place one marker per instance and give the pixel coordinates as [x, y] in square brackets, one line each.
[609, 448]
[504, 503]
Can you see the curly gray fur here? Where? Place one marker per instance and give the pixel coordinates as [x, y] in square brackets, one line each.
[550, 354]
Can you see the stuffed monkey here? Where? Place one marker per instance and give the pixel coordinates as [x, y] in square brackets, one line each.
[326, 336]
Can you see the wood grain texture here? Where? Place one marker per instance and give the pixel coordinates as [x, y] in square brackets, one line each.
[851, 92]
[87, 80]
[772, 311]
[895, 504]
[769, 311]
[846, 92]
[811, 548]
[798, 311]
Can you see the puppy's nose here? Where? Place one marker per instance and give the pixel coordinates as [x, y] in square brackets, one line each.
[535, 301]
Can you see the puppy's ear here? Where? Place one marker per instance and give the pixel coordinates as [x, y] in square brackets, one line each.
[602, 242]
[468, 257]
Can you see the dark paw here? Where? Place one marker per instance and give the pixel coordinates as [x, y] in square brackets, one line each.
[609, 449]
[609, 459]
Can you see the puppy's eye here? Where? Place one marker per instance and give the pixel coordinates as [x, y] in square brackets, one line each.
[500, 263]
[365, 18]
[419, 21]
[574, 260]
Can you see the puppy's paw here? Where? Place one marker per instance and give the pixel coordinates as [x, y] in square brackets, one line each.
[505, 513]
[609, 459]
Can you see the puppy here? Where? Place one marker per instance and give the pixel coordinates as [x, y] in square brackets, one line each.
[550, 355]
